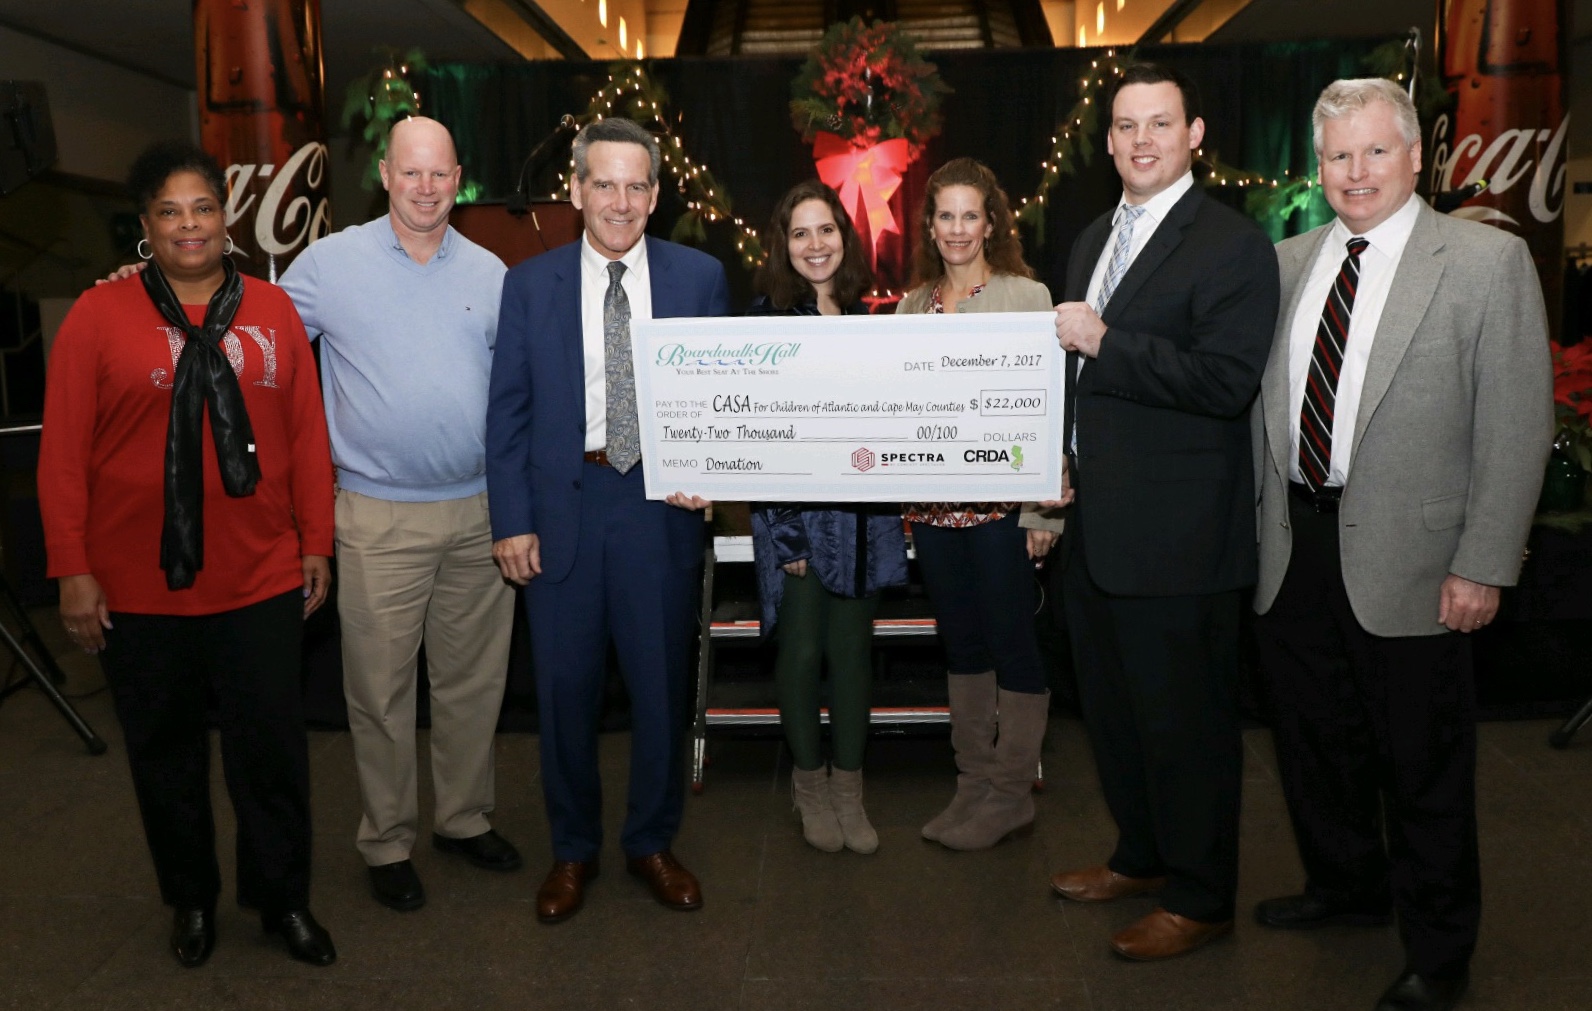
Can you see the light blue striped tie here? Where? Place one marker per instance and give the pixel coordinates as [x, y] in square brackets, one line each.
[1119, 256]
[1114, 271]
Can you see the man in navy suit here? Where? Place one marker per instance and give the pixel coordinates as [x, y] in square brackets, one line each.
[571, 520]
[1171, 299]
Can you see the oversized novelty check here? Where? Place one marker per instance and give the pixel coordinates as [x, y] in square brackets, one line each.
[960, 407]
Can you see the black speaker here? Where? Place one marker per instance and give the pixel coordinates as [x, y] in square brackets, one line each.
[27, 138]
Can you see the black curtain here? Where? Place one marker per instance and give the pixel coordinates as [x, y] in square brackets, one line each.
[731, 114]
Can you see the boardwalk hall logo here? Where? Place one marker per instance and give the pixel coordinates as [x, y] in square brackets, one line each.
[862, 459]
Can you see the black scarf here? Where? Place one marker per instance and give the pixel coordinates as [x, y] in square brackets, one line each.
[204, 377]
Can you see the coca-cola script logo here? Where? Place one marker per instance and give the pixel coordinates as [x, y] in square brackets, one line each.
[282, 225]
[1503, 162]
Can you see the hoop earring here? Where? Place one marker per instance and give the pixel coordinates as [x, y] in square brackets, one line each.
[144, 250]
[229, 248]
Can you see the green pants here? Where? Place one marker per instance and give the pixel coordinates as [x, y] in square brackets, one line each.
[815, 624]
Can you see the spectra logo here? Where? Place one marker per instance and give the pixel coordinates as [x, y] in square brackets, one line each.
[920, 457]
[862, 459]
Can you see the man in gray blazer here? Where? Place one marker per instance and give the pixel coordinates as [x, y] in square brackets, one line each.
[1401, 432]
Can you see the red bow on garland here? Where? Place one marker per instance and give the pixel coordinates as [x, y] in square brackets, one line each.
[871, 173]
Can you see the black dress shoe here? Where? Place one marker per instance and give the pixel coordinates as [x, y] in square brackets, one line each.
[487, 850]
[1302, 912]
[1414, 992]
[397, 886]
[306, 940]
[193, 936]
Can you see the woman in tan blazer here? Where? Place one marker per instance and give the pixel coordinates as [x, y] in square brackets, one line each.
[977, 558]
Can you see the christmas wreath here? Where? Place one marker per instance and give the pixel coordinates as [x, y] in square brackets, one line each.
[867, 84]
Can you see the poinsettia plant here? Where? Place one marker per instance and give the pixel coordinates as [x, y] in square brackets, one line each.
[1572, 401]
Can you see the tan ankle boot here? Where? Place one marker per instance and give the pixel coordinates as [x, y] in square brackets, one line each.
[972, 698]
[845, 794]
[1008, 807]
[809, 789]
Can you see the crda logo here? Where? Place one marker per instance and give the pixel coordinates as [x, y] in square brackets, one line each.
[1013, 457]
[862, 459]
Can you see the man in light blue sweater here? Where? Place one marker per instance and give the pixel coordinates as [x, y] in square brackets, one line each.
[406, 309]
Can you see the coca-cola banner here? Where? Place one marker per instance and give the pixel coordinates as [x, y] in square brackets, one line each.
[1504, 64]
[261, 114]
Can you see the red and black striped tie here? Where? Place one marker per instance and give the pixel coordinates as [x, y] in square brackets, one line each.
[1326, 360]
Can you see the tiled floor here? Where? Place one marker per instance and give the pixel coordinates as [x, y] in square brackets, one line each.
[785, 926]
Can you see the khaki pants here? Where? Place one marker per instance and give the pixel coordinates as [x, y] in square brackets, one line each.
[407, 571]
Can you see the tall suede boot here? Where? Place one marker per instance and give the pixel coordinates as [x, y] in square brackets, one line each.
[845, 794]
[809, 789]
[1008, 807]
[972, 698]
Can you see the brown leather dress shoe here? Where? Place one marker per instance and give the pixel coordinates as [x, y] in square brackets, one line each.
[1100, 884]
[564, 890]
[672, 885]
[1165, 935]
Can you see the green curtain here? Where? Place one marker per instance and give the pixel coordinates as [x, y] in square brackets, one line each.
[1278, 97]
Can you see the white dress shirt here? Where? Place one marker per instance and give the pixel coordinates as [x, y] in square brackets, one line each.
[1378, 263]
[1155, 211]
[637, 282]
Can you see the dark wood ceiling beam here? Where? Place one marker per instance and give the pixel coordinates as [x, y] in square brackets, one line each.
[696, 28]
[560, 40]
[1169, 19]
[1032, 27]
[81, 50]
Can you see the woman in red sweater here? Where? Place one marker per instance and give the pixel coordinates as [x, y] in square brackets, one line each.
[186, 487]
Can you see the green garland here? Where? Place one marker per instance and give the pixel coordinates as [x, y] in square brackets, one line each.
[1268, 199]
[381, 97]
[1072, 144]
[1390, 60]
[867, 83]
[632, 93]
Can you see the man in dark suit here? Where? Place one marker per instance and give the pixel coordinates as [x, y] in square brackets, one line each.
[571, 520]
[1171, 302]
[1400, 437]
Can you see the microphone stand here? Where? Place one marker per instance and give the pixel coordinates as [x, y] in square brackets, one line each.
[1412, 51]
[1449, 200]
[22, 639]
[519, 201]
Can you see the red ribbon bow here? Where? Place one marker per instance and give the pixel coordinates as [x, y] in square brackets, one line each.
[871, 173]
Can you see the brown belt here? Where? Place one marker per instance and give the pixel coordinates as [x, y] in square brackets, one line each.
[598, 456]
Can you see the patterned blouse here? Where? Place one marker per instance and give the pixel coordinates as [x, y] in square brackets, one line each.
[955, 514]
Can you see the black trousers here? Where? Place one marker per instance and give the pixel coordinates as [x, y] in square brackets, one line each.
[1376, 746]
[1158, 685]
[980, 582]
[163, 670]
